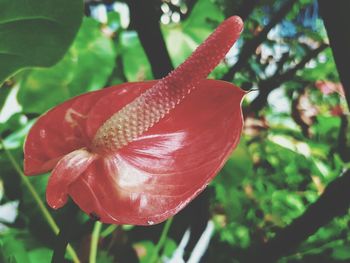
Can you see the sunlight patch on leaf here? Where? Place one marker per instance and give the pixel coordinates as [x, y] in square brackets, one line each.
[291, 144]
[11, 105]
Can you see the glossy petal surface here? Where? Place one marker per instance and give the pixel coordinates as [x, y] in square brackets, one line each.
[68, 169]
[59, 131]
[156, 175]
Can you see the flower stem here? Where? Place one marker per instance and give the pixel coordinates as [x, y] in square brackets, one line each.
[94, 242]
[49, 219]
[161, 241]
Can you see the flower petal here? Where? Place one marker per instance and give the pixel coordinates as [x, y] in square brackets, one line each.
[68, 169]
[156, 175]
[59, 132]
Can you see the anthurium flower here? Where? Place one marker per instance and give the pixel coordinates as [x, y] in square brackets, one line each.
[137, 153]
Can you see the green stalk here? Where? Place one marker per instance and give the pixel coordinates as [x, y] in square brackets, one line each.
[109, 230]
[161, 241]
[94, 242]
[49, 219]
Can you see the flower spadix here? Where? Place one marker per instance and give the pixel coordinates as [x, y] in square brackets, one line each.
[137, 153]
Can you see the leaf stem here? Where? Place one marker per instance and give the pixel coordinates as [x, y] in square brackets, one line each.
[161, 241]
[94, 242]
[109, 230]
[49, 219]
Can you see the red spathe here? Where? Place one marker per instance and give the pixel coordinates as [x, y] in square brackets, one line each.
[157, 172]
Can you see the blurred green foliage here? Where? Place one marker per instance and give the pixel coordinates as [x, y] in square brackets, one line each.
[36, 33]
[289, 150]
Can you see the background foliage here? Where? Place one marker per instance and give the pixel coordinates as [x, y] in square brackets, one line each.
[295, 139]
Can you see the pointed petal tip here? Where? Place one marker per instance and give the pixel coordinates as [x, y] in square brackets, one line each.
[240, 92]
[243, 93]
[55, 196]
[56, 201]
[67, 170]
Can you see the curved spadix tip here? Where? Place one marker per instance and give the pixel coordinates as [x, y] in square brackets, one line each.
[236, 22]
[208, 55]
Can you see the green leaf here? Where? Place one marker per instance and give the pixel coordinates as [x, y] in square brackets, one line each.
[201, 22]
[104, 257]
[341, 253]
[86, 67]
[16, 139]
[227, 184]
[169, 247]
[137, 67]
[180, 44]
[327, 126]
[285, 206]
[40, 255]
[13, 250]
[35, 32]
[182, 40]
[4, 92]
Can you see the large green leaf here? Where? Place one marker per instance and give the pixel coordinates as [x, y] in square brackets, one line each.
[36, 32]
[19, 246]
[4, 92]
[201, 22]
[12, 250]
[136, 65]
[40, 255]
[179, 43]
[182, 40]
[86, 67]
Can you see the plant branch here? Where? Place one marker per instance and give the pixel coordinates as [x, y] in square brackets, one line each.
[63, 238]
[146, 22]
[268, 85]
[246, 8]
[336, 17]
[46, 214]
[332, 203]
[250, 47]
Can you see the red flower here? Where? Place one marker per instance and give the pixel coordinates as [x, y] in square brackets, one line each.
[137, 153]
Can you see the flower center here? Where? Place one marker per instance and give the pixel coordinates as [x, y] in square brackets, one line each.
[141, 114]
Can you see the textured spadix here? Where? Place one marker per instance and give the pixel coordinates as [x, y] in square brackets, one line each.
[137, 153]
